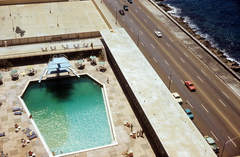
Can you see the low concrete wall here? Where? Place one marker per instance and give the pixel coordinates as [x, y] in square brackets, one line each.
[198, 42]
[50, 38]
[16, 2]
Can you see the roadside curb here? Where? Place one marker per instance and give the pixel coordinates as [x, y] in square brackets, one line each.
[198, 42]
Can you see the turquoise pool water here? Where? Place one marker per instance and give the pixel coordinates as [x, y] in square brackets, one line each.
[70, 113]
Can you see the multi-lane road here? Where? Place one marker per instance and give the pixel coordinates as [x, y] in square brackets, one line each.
[214, 105]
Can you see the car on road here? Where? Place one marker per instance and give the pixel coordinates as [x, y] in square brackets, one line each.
[121, 11]
[212, 143]
[189, 113]
[177, 97]
[158, 34]
[130, 1]
[125, 7]
[190, 86]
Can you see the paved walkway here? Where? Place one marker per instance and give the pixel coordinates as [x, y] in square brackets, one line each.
[120, 109]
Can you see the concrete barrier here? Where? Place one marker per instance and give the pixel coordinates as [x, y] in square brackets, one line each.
[49, 38]
[198, 42]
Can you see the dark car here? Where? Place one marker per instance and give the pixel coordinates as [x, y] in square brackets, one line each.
[212, 143]
[125, 7]
[121, 11]
[130, 1]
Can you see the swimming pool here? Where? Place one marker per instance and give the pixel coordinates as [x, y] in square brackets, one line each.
[70, 113]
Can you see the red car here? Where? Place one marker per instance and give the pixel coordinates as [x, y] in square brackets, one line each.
[190, 86]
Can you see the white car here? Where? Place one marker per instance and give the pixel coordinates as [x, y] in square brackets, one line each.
[158, 33]
[177, 97]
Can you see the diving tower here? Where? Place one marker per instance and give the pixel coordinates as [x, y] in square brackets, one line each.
[58, 65]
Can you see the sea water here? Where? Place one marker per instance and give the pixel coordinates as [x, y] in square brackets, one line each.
[70, 113]
[216, 20]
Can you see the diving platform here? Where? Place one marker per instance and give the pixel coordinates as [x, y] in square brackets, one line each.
[58, 65]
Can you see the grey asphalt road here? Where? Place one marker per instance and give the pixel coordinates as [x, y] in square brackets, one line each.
[214, 105]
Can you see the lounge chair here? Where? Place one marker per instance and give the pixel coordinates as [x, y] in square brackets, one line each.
[26, 132]
[17, 113]
[2, 134]
[32, 137]
[30, 133]
[16, 109]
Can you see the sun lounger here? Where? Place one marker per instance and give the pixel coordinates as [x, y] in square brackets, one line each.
[30, 133]
[32, 137]
[2, 134]
[16, 109]
[17, 113]
[23, 130]
[26, 132]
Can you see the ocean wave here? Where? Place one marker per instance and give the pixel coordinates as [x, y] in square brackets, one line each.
[174, 11]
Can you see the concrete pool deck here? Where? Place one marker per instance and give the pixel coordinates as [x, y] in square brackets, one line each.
[120, 109]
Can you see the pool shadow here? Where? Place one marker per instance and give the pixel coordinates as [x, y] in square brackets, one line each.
[60, 88]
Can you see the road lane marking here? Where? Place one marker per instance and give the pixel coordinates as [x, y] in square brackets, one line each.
[148, 16]
[158, 27]
[182, 81]
[182, 60]
[168, 45]
[171, 39]
[141, 32]
[131, 29]
[152, 46]
[222, 102]
[214, 135]
[116, 2]
[225, 94]
[131, 20]
[200, 78]
[170, 79]
[145, 20]
[155, 59]
[139, 7]
[204, 73]
[185, 54]
[142, 43]
[123, 19]
[136, 10]
[204, 108]
[232, 141]
[189, 104]
[166, 62]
